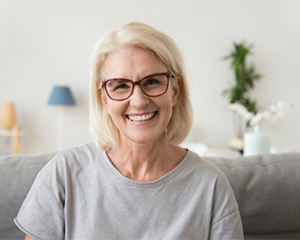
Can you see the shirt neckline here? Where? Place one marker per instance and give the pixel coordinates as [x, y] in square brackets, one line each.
[149, 184]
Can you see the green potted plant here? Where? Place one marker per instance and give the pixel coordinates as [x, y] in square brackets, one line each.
[245, 78]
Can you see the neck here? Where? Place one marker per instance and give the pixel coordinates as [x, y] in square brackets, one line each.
[145, 162]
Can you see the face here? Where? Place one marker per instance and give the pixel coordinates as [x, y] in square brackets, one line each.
[140, 118]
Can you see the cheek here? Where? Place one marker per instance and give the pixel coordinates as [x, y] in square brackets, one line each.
[115, 109]
[112, 107]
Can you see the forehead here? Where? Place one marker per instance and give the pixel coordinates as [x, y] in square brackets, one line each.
[131, 62]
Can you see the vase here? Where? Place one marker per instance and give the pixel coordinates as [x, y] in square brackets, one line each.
[8, 115]
[256, 142]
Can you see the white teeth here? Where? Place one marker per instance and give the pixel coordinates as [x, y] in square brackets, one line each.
[141, 118]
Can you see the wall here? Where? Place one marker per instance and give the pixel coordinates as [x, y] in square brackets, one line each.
[43, 43]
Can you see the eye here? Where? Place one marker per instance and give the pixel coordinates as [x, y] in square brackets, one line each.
[151, 81]
[121, 86]
[118, 85]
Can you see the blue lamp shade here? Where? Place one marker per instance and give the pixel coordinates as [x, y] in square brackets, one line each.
[61, 96]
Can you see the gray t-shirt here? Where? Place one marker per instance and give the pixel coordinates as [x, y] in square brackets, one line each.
[79, 194]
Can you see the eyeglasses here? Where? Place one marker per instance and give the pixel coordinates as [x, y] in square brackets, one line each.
[120, 89]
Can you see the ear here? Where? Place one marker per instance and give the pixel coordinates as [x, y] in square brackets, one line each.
[176, 91]
[103, 97]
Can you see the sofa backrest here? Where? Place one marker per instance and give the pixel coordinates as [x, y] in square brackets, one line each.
[17, 173]
[267, 189]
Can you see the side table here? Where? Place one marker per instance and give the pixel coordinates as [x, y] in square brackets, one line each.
[15, 135]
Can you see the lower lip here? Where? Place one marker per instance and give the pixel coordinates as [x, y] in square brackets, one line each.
[142, 123]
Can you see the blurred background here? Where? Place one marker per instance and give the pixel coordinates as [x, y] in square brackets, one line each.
[48, 43]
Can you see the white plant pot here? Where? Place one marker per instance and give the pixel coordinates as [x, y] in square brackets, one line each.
[256, 142]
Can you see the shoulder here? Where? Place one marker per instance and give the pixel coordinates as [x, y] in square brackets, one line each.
[215, 182]
[73, 159]
[209, 178]
[201, 167]
[83, 153]
[87, 150]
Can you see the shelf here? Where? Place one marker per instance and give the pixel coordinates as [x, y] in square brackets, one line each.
[9, 133]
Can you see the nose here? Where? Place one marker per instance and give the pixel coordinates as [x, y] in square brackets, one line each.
[138, 98]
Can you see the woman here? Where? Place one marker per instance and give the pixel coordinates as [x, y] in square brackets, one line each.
[134, 182]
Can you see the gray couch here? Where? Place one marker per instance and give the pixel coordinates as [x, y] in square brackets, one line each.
[267, 189]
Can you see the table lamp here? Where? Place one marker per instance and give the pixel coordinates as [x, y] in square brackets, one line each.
[61, 96]
[8, 115]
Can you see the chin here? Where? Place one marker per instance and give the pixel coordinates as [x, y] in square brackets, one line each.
[146, 139]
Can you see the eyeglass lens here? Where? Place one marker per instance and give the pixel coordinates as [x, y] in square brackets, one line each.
[152, 86]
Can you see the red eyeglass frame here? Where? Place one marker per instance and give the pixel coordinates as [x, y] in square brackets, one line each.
[167, 74]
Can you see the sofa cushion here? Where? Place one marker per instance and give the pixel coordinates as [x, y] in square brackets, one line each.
[267, 189]
[17, 173]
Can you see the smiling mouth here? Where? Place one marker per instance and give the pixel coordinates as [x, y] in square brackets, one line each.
[141, 118]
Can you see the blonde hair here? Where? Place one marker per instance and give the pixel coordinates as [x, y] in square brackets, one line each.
[104, 131]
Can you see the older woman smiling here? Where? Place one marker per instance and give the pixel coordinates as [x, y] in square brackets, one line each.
[134, 181]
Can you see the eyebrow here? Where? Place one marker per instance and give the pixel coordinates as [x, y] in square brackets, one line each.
[154, 74]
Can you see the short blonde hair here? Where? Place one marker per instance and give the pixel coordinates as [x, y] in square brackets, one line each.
[103, 129]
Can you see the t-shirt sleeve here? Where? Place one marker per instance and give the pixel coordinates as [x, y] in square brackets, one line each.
[226, 221]
[229, 227]
[42, 213]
